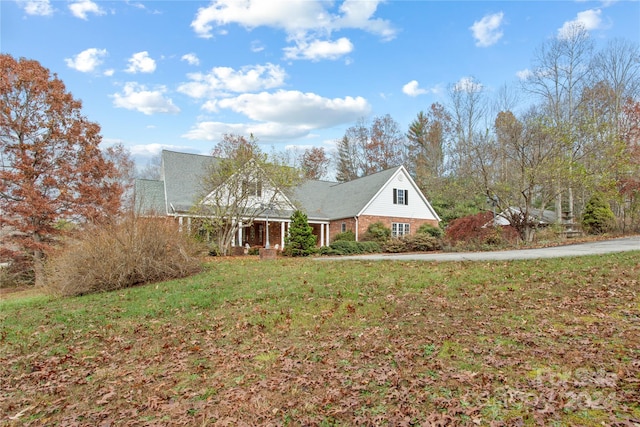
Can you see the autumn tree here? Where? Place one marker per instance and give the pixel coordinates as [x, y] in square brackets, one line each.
[367, 148]
[428, 136]
[241, 184]
[314, 163]
[51, 166]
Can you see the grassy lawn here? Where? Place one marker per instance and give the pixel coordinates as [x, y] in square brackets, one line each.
[298, 342]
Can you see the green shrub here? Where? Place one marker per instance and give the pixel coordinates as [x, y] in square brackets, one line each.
[422, 243]
[598, 218]
[344, 247]
[429, 229]
[347, 236]
[300, 240]
[377, 232]
[395, 246]
[131, 252]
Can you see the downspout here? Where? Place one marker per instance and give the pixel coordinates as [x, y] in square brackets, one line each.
[356, 218]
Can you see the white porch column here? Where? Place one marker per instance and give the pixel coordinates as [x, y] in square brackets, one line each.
[322, 234]
[240, 233]
[189, 224]
[180, 220]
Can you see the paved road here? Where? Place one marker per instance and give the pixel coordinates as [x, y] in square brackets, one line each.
[591, 248]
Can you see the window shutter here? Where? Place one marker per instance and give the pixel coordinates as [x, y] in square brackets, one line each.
[395, 196]
[406, 197]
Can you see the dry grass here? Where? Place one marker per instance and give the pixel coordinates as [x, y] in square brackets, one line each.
[128, 253]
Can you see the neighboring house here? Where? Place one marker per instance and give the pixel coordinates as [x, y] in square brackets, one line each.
[390, 197]
[536, 216]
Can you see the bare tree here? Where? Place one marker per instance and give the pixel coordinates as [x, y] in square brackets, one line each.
[560, 72]
[241, 183]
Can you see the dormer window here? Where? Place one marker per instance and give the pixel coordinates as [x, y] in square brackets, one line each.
[252, 188]
[400, 197]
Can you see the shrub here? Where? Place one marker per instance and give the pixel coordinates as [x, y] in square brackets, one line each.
[300, 241]
[377, 232]
[347, 236]
[18, 270]
[395, 246]
[131, 252]
[471, 231]
[598, 218]
[345, 247]
[422, 243]
[429, 229]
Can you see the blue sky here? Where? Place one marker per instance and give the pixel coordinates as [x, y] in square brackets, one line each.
[295, 73]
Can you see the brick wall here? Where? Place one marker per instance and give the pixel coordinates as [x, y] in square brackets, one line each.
[365, 221]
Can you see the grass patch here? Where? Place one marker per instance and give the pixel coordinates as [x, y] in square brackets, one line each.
[298, 342]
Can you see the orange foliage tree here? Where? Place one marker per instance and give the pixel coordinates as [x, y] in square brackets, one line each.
[51, 166]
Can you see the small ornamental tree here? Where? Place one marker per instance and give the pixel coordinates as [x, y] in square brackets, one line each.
[300, 241]
[598, 217]
[51, 166]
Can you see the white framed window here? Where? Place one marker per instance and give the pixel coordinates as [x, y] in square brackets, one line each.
[400, 196]
[252, 188]
[399, 229]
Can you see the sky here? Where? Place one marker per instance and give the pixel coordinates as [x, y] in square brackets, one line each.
[178, 75]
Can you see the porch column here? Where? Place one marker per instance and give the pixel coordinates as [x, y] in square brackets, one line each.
[321, 234]
[180, 220]
[189, 224]
[283, 224]
[240, 233]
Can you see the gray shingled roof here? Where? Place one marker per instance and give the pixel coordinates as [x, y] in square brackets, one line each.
[331, 200]
[182, 175]
[149, 196]
[321, 200]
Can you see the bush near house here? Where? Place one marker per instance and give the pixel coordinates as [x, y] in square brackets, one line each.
[131, 252]
[377, 232]
[346, 247]
[413, 243]
[429, 229]
[347, 236]
[300, 241]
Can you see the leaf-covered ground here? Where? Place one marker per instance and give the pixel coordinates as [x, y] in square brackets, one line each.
[290, 342]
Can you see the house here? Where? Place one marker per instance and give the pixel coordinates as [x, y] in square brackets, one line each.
[390, 197]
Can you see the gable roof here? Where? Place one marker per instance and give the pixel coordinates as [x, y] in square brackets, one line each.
[150, 196]
[182, 174]
[331, 200]
[181, 186]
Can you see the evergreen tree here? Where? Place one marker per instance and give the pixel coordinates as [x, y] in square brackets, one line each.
[300, 241]
[598, 217]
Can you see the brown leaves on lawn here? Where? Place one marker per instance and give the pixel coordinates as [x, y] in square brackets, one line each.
[562, 351]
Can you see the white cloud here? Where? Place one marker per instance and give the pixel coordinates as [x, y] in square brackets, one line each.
[524, 74]
[224, 80]
[36, 7]
[110, 72]
[152, 150]
[294, 107]
[213, 131]
[467, 84]
[412, 89]
[135, 96]
[282, 115]
[305, 22]
[141, 62]
[588, 19]
[257, 46]
[87, 60]
[81, 8]
[191, 58]
[487, 31]
[319, 49]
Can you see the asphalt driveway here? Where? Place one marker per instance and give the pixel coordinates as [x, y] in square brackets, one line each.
[591, 248]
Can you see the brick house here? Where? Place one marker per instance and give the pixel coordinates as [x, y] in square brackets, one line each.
[390, 197]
